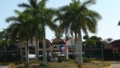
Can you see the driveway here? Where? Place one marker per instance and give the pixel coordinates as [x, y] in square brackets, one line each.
[116, 64]
[4, 66]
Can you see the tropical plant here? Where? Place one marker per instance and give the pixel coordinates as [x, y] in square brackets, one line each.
[58, 32]
[43, 17]
[4, 40]
[20, 28]
[90, 43]
[76, 18]
[33, 9]
[4, 44]
[96, 38]
[85, 37]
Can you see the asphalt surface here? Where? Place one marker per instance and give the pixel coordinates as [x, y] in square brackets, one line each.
[116, 64]
[4, 66]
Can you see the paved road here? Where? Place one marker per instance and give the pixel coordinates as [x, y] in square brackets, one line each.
[116, 64]
[3, 66]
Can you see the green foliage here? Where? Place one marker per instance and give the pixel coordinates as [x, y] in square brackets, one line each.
[58, 32]
[109, 39]
[85, 37]
[4, 43]
[90, 42]
[42, 64]
[32, 61]
[86, 60]
[60, 60]
[70, 60]
[95, 38]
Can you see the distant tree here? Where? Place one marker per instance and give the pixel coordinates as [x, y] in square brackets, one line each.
[109, 39]
[90, 43]
[96, 38]
[4, 44]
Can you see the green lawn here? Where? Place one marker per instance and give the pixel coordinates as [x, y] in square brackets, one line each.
[68, 65]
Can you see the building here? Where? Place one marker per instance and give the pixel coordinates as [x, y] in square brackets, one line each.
[15, 52]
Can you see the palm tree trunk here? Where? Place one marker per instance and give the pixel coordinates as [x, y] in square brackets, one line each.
[76, 47]
[27, 53]
[37, 50]
[21, 54]
[44, 49]
[79, 42]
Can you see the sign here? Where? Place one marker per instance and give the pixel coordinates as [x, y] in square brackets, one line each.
[63, 48]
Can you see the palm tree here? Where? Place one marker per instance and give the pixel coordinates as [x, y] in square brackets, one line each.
[35, 7]
[77, 17]
[58, 32]
[43, 17]
[20, 27]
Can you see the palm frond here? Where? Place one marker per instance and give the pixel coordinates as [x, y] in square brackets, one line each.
[88, 2]
[119, 23]
[24, 5]
[12, 18]
[33, 3]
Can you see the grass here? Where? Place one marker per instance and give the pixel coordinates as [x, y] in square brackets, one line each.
[62, 65]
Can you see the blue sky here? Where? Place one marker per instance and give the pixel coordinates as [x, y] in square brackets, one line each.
[107, 27]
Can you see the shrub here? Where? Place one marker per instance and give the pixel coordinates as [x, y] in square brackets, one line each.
[32, 61]
[86, 60]
[42, 64]
[60, 60]
[70, 60]
[55, 47]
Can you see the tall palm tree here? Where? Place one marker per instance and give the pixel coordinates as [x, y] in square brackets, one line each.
[77, 17]
[34, 6]
[20, 27]
[43, 17]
